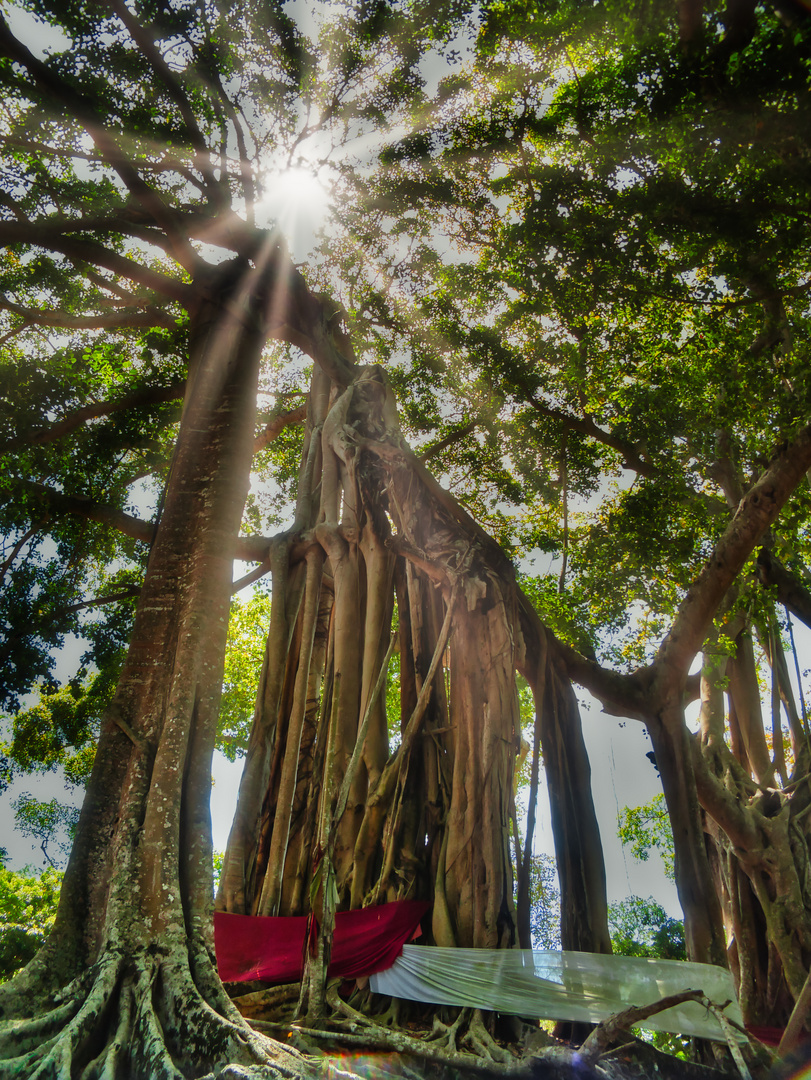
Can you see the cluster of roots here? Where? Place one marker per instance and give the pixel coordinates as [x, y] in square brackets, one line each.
[447, 1043]
[131, 1018]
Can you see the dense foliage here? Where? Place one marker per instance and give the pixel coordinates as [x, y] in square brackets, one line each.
[27, 909]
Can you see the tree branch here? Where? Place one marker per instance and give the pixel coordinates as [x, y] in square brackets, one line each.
[148, 395]
[85, 507]
[58, 90]
[122, 319]
[756, 512]
[156, 61]
[95, 253]
[620, 694]
[247, 548]
[99, 601]
[17, 548]
[276, 426]
[40, 149]
[442, 444]
[587, 426]
[630, 457]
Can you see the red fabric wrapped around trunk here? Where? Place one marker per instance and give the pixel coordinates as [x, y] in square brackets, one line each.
[272, 948]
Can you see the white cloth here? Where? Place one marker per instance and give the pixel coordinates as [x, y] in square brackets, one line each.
[560, 985]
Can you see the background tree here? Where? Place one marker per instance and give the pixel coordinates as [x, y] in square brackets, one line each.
[27, 910]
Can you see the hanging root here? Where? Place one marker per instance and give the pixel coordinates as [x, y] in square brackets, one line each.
[139, 1018]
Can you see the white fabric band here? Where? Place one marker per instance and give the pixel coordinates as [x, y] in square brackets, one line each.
[560, 985]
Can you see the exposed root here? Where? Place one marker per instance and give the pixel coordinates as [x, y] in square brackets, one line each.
[258, 1004]
[390, 1017]
[110, 1062]
[34, 1033]
[444, 1035]
[479, 1039]
[340, 1007]
[396, 1042]
[55, 1056]
[138, 1019]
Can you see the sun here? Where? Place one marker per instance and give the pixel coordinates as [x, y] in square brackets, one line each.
[297, 203]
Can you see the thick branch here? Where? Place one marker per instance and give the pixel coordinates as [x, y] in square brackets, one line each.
[148, 395]
[96, 254]
[295, 314]
[442, 444]
[586, 426]
[606, 1032]
[100, 601]
[247, 548]
[723, 801]
[276, 426]
[756, 512]
[306, 321]
[790, 590]
[620, 694]
[85, 507]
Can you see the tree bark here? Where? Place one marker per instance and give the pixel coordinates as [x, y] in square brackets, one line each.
[132, 946]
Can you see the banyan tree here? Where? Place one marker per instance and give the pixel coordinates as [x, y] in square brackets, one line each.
[381, 559]
[165, 284]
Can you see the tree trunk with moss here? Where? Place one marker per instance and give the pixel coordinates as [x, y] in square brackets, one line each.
[737, 790]
[757, 826]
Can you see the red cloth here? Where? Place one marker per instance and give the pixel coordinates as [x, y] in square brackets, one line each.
[771, 1036]
[272, 948]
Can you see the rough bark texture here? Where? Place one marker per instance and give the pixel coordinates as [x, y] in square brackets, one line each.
[127, 984]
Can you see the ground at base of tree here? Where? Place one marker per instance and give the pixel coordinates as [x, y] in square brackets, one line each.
[639, 1061]
[453, 1044]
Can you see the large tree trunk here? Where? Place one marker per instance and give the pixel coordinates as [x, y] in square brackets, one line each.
[578, 848]
[740, 826]
[127, 984]
[428, 814]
